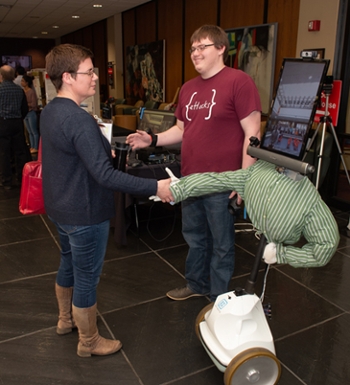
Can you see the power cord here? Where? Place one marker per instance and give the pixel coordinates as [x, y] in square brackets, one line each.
[148, 222]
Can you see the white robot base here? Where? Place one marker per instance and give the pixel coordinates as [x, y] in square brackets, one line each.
[235, 333]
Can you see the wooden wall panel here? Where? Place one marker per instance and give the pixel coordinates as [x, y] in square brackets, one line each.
[176, 20]
[241, 13]
[100, 56]
[36, 48]
[94, 38]
[88, 40]
[286, 14]
[170, 29]
[197, 14]
[129, 36]
[146, 26]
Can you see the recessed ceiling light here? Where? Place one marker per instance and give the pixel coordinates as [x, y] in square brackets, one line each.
[97, 5]
[55, 26]
[75, 17]
[44, 33]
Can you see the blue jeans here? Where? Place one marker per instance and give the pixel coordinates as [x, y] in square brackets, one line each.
[83, 250]
[208, 228]
[31, 122]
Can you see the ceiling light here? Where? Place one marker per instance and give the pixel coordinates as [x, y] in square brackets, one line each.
[44, 33]
[75, 17]
[55, 26]
[97, 5]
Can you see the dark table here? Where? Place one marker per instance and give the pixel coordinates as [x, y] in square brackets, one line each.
[125, 202]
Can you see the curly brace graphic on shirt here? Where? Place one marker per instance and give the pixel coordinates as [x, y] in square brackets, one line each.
[197, 105]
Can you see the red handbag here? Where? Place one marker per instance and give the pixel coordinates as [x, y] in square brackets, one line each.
[31, 200]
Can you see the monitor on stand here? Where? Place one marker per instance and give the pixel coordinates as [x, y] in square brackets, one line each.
[294, 106]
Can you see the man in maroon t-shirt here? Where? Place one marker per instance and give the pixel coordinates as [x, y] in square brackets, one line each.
[217, 113]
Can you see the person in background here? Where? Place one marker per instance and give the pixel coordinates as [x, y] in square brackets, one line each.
[217, 113]
[13, 108]
[78, 185]
[31, 119]
[20, 71]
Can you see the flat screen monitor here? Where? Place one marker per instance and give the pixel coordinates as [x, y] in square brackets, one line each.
[15, 61]
[294, 106]
[157, 120]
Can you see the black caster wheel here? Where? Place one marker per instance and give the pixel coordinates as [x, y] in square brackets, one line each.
[200, 317]
[253, 366]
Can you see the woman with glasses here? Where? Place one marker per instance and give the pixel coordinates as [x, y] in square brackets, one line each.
[78, 184]
[218, 111]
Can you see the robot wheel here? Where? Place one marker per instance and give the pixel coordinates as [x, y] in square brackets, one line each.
[253, 366]
[200, 317]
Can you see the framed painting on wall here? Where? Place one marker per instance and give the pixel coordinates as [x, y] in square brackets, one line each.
[145, 73]
[253, 50]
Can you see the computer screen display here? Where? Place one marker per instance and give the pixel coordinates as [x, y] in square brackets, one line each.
[294, 106]
[15, 61]
[156, 120]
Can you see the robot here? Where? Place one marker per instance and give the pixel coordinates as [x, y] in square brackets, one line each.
[235, 333]
[234, 330]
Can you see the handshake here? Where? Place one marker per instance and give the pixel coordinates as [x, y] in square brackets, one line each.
[270, 251]
[174, 180]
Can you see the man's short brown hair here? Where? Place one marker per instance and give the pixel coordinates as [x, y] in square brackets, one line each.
[216, 34]
[65, 58]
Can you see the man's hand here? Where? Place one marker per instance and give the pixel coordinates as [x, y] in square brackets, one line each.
[270, 252]
[239, 199]
[140, 139]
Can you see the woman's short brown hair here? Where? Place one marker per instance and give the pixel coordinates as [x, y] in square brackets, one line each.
[65, 58]
[216, 34]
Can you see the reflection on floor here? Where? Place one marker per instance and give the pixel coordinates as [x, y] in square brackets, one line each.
[310, 308]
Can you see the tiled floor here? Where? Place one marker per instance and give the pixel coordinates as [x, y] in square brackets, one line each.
[310, 309]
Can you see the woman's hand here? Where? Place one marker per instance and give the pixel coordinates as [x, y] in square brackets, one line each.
[163, 191]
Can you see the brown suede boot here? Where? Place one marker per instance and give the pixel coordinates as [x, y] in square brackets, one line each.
[64, 299]
[90, 342]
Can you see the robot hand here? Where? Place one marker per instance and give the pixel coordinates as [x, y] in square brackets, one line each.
[174, 180]
[270, 252]
[154, 198]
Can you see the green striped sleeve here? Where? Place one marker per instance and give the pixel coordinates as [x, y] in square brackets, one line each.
[321, 232]
[207, 183]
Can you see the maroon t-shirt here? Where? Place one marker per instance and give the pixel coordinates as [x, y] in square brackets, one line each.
[211, 110]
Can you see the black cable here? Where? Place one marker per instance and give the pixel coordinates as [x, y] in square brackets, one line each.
[172, 227]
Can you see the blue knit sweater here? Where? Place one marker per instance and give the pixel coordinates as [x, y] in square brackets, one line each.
[78, 175]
